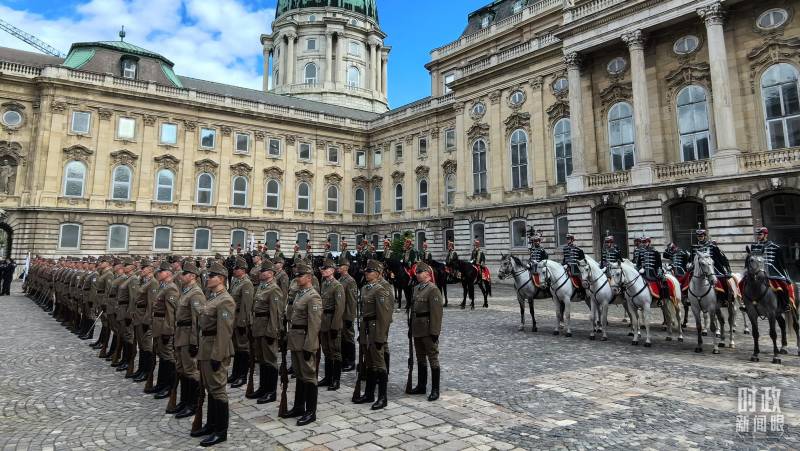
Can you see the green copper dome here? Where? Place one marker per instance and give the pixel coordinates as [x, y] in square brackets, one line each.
[365, 7]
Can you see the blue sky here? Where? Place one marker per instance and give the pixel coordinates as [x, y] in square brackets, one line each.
[218, 40]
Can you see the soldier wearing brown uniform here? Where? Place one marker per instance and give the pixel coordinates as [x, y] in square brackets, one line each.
[124, 320]
[303, 341]
[349, 316]
[216, 324]
[186, 340]
[242, 292]
[281, 278]
[255, 272]
[426, 326]
[378, 303]
[100, 285]
[330, 337]
[268, 311]
[111, 310]
[142, 308]
[164, 331]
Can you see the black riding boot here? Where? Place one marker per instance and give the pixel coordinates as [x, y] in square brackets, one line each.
[169, 381]
[298, 408]
[126, 355]
[237, 360]
[109, 350]
[349, 360]
[262, 382]
[211, 413]
[145, 366]
[140, 368]
[369, 390]
[383, 379]
[159, 378]
[189, 398]
[220, 433]
[244, 369]
[103, 336]
[310, 414]
[326, 381]
[337, 374]
[422, 381]
[271, 389]
[435, 372]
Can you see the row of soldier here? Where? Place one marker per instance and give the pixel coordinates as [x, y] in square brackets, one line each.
[196, 320]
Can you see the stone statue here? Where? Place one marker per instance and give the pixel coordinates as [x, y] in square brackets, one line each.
[6, 177]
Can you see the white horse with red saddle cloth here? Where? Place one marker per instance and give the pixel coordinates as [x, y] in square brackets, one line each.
[626, 277]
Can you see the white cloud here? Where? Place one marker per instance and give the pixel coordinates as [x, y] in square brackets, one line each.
[217, 41]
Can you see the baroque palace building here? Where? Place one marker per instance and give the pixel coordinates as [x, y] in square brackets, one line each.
[622, 117]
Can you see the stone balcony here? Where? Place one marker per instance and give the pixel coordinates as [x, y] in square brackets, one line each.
[682, 171]
[770, 160]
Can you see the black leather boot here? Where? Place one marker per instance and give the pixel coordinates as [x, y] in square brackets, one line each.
[369, 391]
[326, 381]
[169, 381]
[141, 367]
[207, 428]
[337, 373]
[126, 353]
[349, 361]
[271, 389]
[99, 343]
[159, 385]
[262, 382]
[182, 403]
[383, 379]
[244, 369]
[220, 433]
[145, 366]
[422, 381]
[434, 384]
[235, 367]
[310, 414]
[298, 409]
[190, 402]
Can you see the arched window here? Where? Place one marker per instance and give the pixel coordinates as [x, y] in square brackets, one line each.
[684, 218]
[479, 166]
[118, 237]
[423, 194]
[240, 191]
[693, 123]
[74, 179]
[377, 194]
[519, 231]
[562, 138]
[398, 197]
[353, 77]
[273, 194]
[621, 136]
[121, 185]
[360, 202]
[303, 197]
[519, 159]
[69, 236]
[333, 199]
[779, 89]
[165, 181]
[205, 184]
[311, 73]
[162, 238]
[450, 190]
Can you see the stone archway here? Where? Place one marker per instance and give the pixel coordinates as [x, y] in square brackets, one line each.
[780, 213]
[611, 220]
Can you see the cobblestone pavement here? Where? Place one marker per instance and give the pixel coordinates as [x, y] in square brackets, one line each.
[502, 389]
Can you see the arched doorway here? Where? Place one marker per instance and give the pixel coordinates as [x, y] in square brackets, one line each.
[611, 221]
[781, 215]
[685, 217]
[6, 240]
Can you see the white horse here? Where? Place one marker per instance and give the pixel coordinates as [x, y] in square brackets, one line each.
[555, 277]
[625, 276]
[523, 283]
[672, 308]
[703, 297]
[599, 295]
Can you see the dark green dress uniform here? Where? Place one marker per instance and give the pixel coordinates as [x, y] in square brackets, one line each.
[378, 304]
[268, 310]
[242, 292]
[186, 343]
[333, 299]
[426, 325]
[348, 320]
[164, 334]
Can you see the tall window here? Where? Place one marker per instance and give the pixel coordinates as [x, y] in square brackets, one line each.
[238, 238]
[398, 197]
[518, 233]
[519, 159]
[69, 236]
[121, 184]
[271, 238]
[684, 217]
[562, 137]
[303, 197]
[302, 239]
[562, 228]
[333, 155]
[80, 122]
[126, 128]
[334, 240]
[361, 158]
[165, 181]
[129, 69]
[398, 152]
[74, 179]
[311, 74]
[779, 89]
[202, 239]
[450, 190]
[423, 194]
[479, 232]
[423, 147]
[242, 143]
[360, 201]
[304, 152]
[377, 193]
[240, 191]
[353, 77]
[208, 138]
[693, 123]
[205, 184]
[479, 166]
[311, 44]
[354, 48]
[450, 139]
[377, 158]
[162, 239]
[274, 148]
[420, 238]
[620, 136]
[273, 194]
[333, 199]
[169, 134]
[448, 78]
[118, 237]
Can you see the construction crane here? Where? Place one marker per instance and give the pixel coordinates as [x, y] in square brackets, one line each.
[30, 39]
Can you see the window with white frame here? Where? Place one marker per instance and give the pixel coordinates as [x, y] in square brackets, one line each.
[274, 147]
[779, 92]
[353, 77]
[126, 128]
[518, 233]
[129, 68]
[518, 5]
[361, 158]
[450, 190]
[423, 194]
[333, 238]
[448, 78]
[311, 44]
[562, 139]
[398, 197]
[562, 228]
[621, 136]
[333, 155]
[205, 185]
[165, 182]
[302, 239]
[74, 179]
[693, 128]
[208, 138]
[354, 48]
[118, 237]
[69, 236]
[450, 139]
[479, 175]
[333, 199]
[239, 192]
[423, 147]
[519, 159]
[377, 193]
[310, 72]
[81, 120]
[486, 21]
[304, 152]
[772, 18]
[377, 158]
[162, 239]
[202, 239]
[242, 143]
[273, 194]
[303, 197]
[121, 183]
[360, 197]
[271, 238]
[478, 232]
[238, 238]
[169, 133]
[398, 152]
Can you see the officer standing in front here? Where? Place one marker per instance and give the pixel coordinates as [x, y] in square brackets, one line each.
[332, 312]
[268, 311]
[348, 317]
[186, 340]
[242, 292]
[426, 326]
[164, 330]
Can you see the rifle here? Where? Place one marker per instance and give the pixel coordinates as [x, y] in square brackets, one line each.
[250, 390]
[173, 395]
[148, 386]
[197, 423]
[409, 381]
[283, 408]
[360, 366]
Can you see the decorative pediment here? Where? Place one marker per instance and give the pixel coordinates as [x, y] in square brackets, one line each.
[376, 180]
[190, 126]
[304, 176]
[398, 176]
[11, 151]
[241, 168]
[360, 181]
[333, 179]
[518, 120]
[290, 139]
[16, 106]
[167, 161]
[206, 165]
[259, 135]
[78, 152]
[273, 172]
[558, 110]
[449, 167]
[688, 74]
[774, 50]
[478, 130]
[422, 171]
[125, 157]
[617, 92]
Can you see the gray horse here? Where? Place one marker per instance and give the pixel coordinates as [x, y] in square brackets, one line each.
[761, 301]
[511, 266]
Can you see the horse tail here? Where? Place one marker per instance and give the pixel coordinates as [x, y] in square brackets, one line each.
[488, 287]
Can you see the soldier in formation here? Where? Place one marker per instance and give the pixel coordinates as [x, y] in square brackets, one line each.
[426, 326]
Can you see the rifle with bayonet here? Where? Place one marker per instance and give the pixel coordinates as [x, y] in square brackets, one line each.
[409, 380]
[361, 358]
[283, 407]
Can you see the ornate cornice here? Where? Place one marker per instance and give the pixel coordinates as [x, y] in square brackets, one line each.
[713, 14]
[78, 152]
[573, 60]
[422, 171]
[274, 172]
[167, 161]
[687, 74]
[398, 176]
[241, 169]
[360, 181]
[518, 120]
[333, 179]
[10, 149]
[558, 110]
[304, 175]
[774, 50]
[206, 165]
[634, 39]
[615, 93]
[376, 180]
[449, 167]
[124, 157]
[189, 125]
[478, 130]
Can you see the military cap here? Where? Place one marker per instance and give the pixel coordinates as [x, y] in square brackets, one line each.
[373, 265]
[761, 230]
[240, 263]
[344, 262]
[700, 232]
[164, 266]
[217, 269]
[127, 261]
[570, 236]
[328, 263]
[191, 268]
[609, 239]
[145, 263]
[302, 269]
[277, 261]
[423, 267]
[218, 256]
[267, 266]
[175, 259]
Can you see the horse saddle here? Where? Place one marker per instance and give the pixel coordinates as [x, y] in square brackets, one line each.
[576, 281]
[412, 271]
[484, 272]
[537, 280]
[655, 289]
[684, 281]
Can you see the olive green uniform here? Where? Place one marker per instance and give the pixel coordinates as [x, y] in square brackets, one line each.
[378, 305]
[186, 340]
[427, 324]
[303, 335]
[333, 299]
[348, 318]
[164, 321]
[268, 311]
[216, 323]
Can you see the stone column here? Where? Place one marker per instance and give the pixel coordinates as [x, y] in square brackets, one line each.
[371, 69]
[339, 56]
[713, 15]
[575, 181]
[267, 72]
[384, 73]
[329, 58]
[642, 173]
[379, 70]
[290, 66]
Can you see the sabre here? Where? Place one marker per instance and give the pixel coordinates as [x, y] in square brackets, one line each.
[409, 381]
[360, 366]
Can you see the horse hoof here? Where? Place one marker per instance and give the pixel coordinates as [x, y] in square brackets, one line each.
[555, 332]
[776, 360]
[568, 334]
[630, 334]
[463, 307]
[722, 345]
[591, 337]
[634, 343]
[520, 328]
[472, 307]
[716, 351]
[668, 339]
[684, 325]
[485, 305]
[680, 339]
[705, 334]
[698, 350]
[754, 359]
[784, 352]
[533, 329]
[648, 345]
[603, 338]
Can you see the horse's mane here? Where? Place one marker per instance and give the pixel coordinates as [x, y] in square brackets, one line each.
[592, 262]
[516, 260]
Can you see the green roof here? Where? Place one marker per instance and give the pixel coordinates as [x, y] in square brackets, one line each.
[121, 46]
[78, 57]
[368, 8]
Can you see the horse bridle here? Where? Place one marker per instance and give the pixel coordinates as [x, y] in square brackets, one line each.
[625, 286]
[591, 282]
[710, 284]
[517, 273]
[548, 278]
